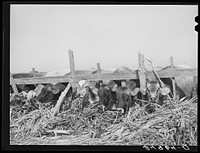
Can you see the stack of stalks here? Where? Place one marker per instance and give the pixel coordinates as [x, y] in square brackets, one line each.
[171, 124]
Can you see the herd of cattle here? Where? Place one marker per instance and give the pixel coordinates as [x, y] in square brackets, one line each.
[113, 94]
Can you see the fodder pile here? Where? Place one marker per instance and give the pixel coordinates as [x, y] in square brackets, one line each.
[172, 124]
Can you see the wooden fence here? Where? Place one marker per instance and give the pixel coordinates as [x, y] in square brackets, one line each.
[73, 77]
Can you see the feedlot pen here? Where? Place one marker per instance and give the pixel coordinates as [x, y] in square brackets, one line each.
[173, 125]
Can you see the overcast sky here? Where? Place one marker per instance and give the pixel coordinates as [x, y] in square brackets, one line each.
[40, 35]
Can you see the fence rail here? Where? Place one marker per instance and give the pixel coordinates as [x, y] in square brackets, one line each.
[138, 74]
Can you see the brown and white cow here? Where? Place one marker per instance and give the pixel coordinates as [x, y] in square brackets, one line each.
[88, 92]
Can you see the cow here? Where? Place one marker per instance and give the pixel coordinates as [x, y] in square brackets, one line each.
[154, 92]
[88, 92]
[113, 96]
[186, 84]
[25, 88]
[157, 94]
[126, 95]
[50, 92]
[34, 93]
[106, 97]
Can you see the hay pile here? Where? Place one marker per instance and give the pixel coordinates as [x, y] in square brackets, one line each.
[172, 124]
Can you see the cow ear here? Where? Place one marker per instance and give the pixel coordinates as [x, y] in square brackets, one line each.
[164, 91]
[49, 88]
[55, 91]
[135, 92]
[114, 88]
[95, 90]
[106, 87]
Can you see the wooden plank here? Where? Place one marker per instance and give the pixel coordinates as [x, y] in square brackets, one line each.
[72, 67]
[174, 88]
[176, 73]
[173, 78]
[12, 83]
[34, 73]
[43, 80]
[141, 73]
[194, 79]
[98, 68]
[123, 83]
[99, 72]
[171, 62]
[111, 76]
[60, 100]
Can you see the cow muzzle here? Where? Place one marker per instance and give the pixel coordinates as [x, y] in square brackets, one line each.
[153, 99]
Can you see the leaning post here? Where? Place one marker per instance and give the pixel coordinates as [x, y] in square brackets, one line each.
[173, 78]
[13, 84]
[56, 109]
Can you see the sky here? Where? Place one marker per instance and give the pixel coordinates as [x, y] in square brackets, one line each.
[112, 35]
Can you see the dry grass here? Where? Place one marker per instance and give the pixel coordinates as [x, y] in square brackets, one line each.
[172, 124]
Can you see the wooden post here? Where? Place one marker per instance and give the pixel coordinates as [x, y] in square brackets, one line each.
[98, 68]
[173, 78]
[141, 74]
[194, 79]
[34, 74]
[99, 72]
[171, 62]
[60, 100]
[13, 84]
[195, 83]
[72, 68]
[123, 83]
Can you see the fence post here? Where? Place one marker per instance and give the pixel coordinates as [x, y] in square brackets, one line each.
[171, 62]
[13, 84]
[141, 74]
[34, 74]
[173, 78]
[72, 68]
[99, 72]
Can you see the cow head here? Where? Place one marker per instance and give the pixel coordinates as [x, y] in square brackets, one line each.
[104, 95]
[154, 91]
[124, 100]
[87, 90]
[23, 87]
[50, 92]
